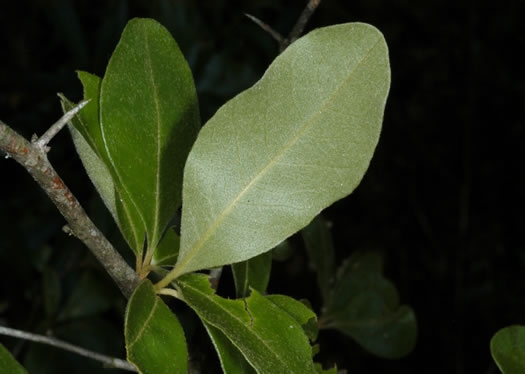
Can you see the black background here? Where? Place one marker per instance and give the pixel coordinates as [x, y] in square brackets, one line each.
[443, 198]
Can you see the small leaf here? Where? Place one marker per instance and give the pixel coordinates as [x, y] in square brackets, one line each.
[167, 250]
[8, 364]
[268, 337]
[254, 273]
[320, 248]
[154, 337]
[232, 360]
[149, 119]
[277, 154]
[365, 306]
[283, 251]
[507, 347]
[320, 369]
[91, 296]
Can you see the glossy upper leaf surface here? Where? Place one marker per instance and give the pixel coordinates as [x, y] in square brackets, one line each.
[154, 337]
[149, 119]
[507, 347]
[8, 364]
[365, 306]
[270, 339]
[277, 154]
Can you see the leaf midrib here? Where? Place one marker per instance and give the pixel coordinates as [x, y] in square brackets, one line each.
[178, 270]
[152, 242]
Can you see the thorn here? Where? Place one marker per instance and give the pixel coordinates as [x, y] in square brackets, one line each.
[56, 127]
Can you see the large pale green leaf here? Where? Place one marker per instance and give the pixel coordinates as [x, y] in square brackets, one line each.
[8, 365]
[232, 360]
[320, 248]
[154, 337]
[365, 306]
[270, 339]
[507, 347]
[277, 154]
[254, 273]
[149, 119]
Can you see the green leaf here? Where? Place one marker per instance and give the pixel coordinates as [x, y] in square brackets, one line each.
[320, 369]
[507, 347]
[149, 119]
[154, 337]
[268, 337]
[167, 250]
[365, 306]
[232, 360]
[87, 137]
[277, 154]
[320, 248]
[299, 312]
[8, 364]
[283, 251]
[254, 273]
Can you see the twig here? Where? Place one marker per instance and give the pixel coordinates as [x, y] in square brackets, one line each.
[44, 140]
[33, 158]
[303, 19]
[297, 30]
[278, 37]
[110, 362]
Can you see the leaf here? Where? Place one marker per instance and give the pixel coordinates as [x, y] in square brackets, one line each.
[167, 250]
[91, 296]
[87, 137]
[8, 364]
[268, 337]
[254, 273]
[277, 154]
[232, 360]
[299, 312]
[320, 369]
[283, 251]
[154, 338]
[365, 306]
[320, 248]
[149, 119]
[507, 347]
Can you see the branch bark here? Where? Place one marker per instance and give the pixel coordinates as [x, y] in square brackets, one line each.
[33, 158]
[110, 362]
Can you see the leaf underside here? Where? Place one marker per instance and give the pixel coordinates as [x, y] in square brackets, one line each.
[277, 154]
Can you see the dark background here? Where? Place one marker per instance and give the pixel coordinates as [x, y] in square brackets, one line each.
[443, 198]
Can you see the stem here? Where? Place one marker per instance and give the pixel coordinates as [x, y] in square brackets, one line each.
[303, 19]
[297, 30]
[33, 157]
[110, 362]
